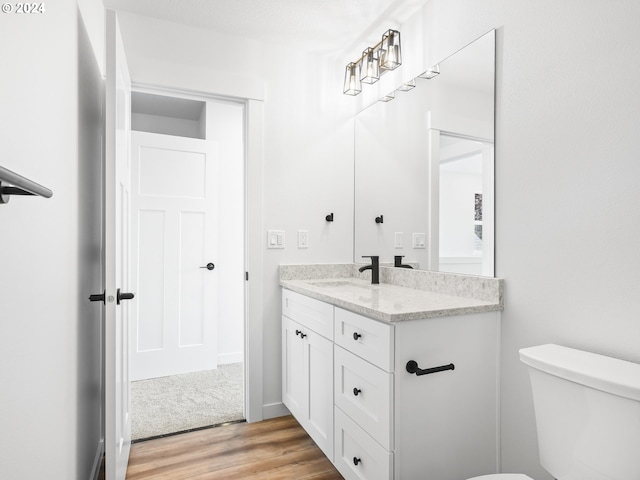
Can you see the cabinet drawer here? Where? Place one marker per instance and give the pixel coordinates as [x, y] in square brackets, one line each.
[309, 312]
[370, 339]
[357, 455]
[363, 391]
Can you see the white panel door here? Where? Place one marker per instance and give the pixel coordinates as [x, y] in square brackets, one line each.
[116, 244]
[175, 253]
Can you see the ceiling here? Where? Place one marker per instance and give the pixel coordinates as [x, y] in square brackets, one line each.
[323, 26]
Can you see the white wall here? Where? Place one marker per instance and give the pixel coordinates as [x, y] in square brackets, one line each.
[567, 167]
[50, 346]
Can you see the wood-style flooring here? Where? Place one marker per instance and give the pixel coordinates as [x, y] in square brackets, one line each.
[276, 449]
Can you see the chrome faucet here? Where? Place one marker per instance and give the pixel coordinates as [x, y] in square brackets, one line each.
[374, 267]
[397, 262]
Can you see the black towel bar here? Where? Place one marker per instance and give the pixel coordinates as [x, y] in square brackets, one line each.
[412, 367]
[19, 185]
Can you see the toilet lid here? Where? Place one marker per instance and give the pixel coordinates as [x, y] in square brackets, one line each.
[503, 476]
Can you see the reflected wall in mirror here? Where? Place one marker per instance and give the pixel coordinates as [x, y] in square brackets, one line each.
[424, 162]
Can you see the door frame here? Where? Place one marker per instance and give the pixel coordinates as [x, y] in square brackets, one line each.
[253, 219]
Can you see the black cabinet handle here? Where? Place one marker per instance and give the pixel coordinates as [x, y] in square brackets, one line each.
[356, 335]
[356, 391]
[299, 332]
[209, 266]
[412, 367]
[356, 461]
[124, 296]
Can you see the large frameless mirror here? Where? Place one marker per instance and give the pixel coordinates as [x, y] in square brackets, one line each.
[424, 169]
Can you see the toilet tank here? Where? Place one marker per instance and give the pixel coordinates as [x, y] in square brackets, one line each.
[587, 409]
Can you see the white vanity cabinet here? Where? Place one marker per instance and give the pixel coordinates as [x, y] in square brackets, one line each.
[440, 425]
[393, 424]
[307, 366]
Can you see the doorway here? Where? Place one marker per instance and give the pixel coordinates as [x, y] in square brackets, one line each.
[188, 209]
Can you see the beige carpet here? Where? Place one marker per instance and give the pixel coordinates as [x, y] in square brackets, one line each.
[160, 406]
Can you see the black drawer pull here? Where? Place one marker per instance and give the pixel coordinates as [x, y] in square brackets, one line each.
[412, 367]
[356, 335]
[356, 391]
[299, 332]
[356, 461]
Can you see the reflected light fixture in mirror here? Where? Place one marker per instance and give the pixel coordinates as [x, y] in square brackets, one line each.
[388, 97]
[431, 73]
[384, 56]
[352, 84]
[408, 86]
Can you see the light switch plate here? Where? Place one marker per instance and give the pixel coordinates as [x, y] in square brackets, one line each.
[419, 240]
[275, 239]
[398, 240]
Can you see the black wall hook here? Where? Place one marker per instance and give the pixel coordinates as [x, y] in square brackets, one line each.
[380, 219]
[329, 218]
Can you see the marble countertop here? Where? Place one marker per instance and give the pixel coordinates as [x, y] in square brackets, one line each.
[387, 302]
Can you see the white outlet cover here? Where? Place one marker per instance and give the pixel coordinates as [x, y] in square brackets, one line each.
[303, 238]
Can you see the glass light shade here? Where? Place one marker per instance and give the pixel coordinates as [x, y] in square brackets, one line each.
[370, 66]
[408, 86]
[390, 50]
[352, 83]
[388, 97]
[432, 72]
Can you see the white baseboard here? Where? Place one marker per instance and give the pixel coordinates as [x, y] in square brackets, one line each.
[97, 461]
[273, 410]
[235, 357]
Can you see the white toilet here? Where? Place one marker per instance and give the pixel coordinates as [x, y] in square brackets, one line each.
[587, 410]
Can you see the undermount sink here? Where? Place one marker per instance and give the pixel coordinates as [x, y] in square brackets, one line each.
[339, 283]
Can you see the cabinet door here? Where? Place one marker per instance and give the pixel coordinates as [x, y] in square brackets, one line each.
[307, 381]
[319, 368]
[451, 415]
[294, 376]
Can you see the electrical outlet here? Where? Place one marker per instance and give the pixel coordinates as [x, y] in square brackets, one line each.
[303, 238]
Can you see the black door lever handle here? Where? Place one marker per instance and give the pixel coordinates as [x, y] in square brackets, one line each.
[97, 297]
[124, 296]
[209, 266]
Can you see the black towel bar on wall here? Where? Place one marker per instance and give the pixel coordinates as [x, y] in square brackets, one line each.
[412, 367]
[19, 185]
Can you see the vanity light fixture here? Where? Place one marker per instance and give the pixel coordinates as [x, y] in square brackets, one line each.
[370, 66]
[390, 52]
[431, 72]
[384, 56]
[352, 83]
